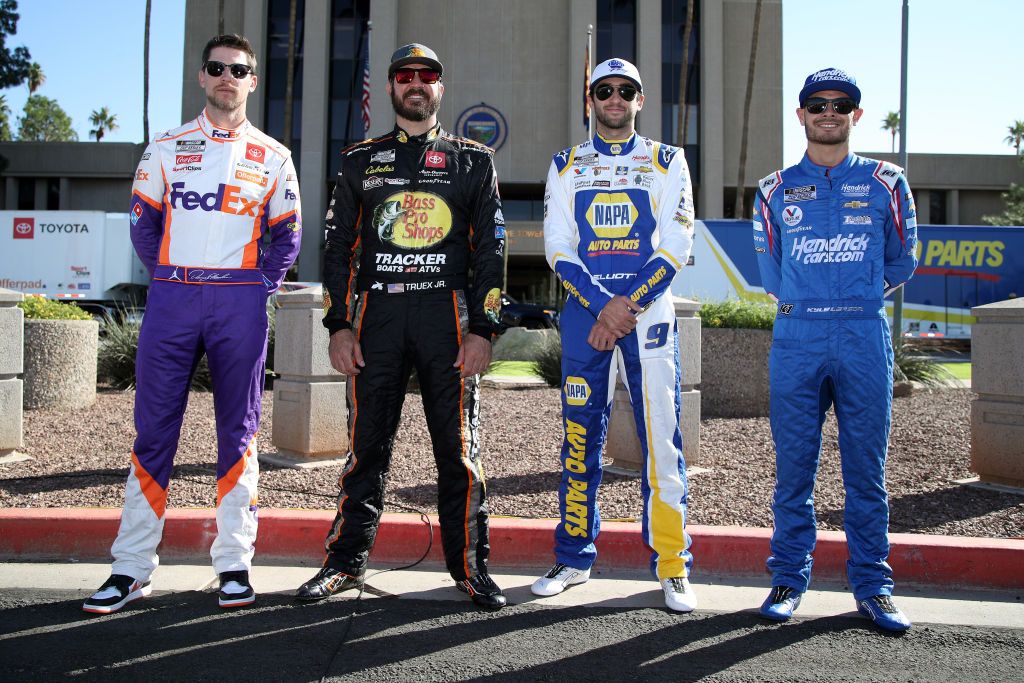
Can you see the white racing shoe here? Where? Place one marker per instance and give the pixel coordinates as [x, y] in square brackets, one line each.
[115, 593]
[558, 579]
[679, 596]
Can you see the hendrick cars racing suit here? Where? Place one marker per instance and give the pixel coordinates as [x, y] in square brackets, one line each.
[215, 218]
[414, 262]
[830, 243]
[618, 220]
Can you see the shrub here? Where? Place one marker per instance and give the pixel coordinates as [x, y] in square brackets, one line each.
[738, 314]
[548, 363]
[37, 307]
[912, 364]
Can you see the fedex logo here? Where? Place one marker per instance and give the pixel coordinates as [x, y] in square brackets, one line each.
[224, 134]
[288, 194]
[24, 228]
[226, 199]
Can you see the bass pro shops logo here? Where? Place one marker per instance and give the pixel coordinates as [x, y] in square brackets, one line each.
[24, 228]
[412, 220]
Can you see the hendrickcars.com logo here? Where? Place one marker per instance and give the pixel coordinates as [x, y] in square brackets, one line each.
[24, 228]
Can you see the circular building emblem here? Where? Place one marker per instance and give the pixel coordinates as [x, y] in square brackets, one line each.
[484, 124]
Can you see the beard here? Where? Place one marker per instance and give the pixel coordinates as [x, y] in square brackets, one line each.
[222, 101]
[836, 136]
[418, 111]
[617, 121]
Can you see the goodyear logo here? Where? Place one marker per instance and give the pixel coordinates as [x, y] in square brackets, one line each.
[413, 220]
[577, 391]
[612, 215]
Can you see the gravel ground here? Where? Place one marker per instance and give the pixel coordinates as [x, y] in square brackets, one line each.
[80, 459]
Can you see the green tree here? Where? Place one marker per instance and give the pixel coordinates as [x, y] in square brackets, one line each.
[1016, 136]
[104, 121]
[14, 64]
[36, 77]
[1014, 214]
[891, 123]
[5, 120]
[45, 121]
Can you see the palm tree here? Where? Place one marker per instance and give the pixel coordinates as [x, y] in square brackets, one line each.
[289, 79]
[740, 190]
[1016, 136]
[891, 123]
[36, 77]
[104, 121]
[145, 75]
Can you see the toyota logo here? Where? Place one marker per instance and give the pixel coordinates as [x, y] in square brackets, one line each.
[23, 228]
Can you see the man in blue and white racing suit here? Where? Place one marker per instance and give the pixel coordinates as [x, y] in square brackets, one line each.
[833, 235]
[618, 226]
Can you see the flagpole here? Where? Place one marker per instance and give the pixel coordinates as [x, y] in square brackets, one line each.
[590, 119]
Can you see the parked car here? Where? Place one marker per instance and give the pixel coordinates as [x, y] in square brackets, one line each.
[530, 316]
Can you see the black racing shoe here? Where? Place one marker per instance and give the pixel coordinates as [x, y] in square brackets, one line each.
[115, 593]
[326, 583]
[235, 590]
[483, 590]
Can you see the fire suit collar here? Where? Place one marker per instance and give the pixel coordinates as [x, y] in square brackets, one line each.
[838, 171]
[428, 137]
[219, 134]
[615, 147]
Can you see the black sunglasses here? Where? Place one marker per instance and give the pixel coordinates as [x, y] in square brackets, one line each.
[238, 71]
[605, 90]
[840, 105]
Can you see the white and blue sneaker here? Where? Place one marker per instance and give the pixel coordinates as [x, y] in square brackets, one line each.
[115, 593]
[781, 603]
[558, 579]
[884, 612]
[679, 595]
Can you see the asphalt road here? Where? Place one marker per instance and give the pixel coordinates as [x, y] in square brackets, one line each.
[184, 636]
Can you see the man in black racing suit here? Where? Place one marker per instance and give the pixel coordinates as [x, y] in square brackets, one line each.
[413, 275]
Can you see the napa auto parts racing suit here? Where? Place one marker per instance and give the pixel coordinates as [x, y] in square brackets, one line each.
[413, 263]
[619, 221]
[830, 243]
[204, 201]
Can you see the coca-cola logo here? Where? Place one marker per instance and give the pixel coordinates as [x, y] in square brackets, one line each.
[24, 228]
[180, 159]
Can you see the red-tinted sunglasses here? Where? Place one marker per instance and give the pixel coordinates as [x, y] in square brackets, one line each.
[427, 76]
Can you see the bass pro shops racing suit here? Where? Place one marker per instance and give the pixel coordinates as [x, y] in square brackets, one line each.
[204, 201]
[414, 262]
[619, 221]
[830, 243]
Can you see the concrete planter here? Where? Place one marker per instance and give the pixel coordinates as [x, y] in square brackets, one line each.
[60, 363]
[734, 372]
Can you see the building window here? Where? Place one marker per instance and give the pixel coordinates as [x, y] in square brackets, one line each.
[26, 194]
[275, 73]
[616, 30]
[673, 28]
[937, 207]
[348, 38]
[52, 194]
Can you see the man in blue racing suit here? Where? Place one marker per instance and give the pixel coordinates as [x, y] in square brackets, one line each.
[833, 235]
[618, 226]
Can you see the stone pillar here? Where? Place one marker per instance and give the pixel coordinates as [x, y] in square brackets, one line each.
[623, 445]
[310, 426]
[11, 359]
[997, 377]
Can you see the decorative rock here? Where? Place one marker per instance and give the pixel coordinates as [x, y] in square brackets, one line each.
[60, 363]
[734, 372]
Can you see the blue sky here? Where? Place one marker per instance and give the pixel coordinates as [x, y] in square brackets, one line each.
[964, 73]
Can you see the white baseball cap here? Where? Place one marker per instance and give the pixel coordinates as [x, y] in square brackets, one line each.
[617, 67]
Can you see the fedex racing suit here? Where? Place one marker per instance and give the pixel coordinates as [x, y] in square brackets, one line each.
[618, 220]
[215, 218]
[413, 263]
[830, 243]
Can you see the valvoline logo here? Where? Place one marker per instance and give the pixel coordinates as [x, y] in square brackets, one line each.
[227, 199]
[24, 228]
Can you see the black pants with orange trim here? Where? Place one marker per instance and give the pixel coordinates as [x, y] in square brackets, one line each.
[399, 332]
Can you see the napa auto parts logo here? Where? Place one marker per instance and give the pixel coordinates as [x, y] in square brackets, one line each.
[24, 228]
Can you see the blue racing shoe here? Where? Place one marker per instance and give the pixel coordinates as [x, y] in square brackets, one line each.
[884, 612]
[781, 603]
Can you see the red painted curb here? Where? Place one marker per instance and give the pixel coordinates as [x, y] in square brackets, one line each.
[297, 535]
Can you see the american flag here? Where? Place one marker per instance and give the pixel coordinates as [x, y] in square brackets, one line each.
[365, 100]
[586, 87]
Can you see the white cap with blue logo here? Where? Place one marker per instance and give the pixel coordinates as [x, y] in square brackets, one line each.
[617, 67]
